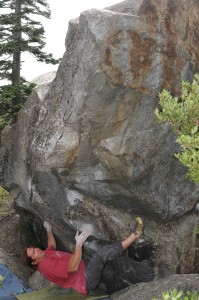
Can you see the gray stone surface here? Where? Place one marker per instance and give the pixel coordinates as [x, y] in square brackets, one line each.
[37, 281]
[87, 149]
[149, 291]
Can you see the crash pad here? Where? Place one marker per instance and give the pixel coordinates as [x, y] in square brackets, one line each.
[53, 292]
[11, 284]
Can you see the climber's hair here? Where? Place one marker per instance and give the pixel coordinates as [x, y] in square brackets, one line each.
[28, 261]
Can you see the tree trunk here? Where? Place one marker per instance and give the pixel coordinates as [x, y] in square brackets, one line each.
[16, 64]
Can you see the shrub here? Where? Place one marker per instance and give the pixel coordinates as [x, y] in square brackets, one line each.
[12, 99]
[183, 114]
[179, 295]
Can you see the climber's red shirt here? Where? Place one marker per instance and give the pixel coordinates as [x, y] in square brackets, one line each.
[55, 268]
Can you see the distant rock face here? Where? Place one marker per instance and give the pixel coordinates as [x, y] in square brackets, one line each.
[87, 148]
[45, 78]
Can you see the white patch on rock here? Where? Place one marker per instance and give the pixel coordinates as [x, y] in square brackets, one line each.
[74, 197]
[36, 198]
[80, 226]
[88, 227]
[113, 144]
[197, 207]
[116, 220]
[100, 173]
[29, 185]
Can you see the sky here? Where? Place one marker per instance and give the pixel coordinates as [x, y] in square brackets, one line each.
[62, 11]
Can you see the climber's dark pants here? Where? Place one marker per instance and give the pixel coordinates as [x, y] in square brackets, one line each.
[96, 265]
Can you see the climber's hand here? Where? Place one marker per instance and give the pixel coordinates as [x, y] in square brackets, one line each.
[81, 238]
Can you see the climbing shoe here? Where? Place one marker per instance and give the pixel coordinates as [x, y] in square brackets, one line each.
[139, 226]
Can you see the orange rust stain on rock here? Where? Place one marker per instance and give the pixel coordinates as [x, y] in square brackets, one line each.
[113, 73]
[140, 54]
[149, 9]
[108, 57]
[136, 51]
[192, 41]
[172, 62]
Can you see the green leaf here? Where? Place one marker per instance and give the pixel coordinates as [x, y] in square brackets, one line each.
[166, 295]
[175, 292]
[179, 295]
[1, 278]
[194, 130]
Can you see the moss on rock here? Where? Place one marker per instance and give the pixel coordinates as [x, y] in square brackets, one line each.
[6, 201]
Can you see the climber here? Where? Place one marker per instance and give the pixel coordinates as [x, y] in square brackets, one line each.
[69, 270]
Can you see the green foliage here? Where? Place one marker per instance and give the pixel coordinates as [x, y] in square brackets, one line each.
[196, 231]
[11, 100]
[6, 201]
[1, 280]
[183, 114]
[179, 295]
[19, 32]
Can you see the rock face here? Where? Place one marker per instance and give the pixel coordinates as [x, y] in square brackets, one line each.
[87, 148]
[13, 231]
[146, 291]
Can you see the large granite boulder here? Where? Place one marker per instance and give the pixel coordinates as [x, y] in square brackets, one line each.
[87, 148]
[154, 290]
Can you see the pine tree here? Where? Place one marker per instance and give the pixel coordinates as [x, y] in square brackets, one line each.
[20, 32]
